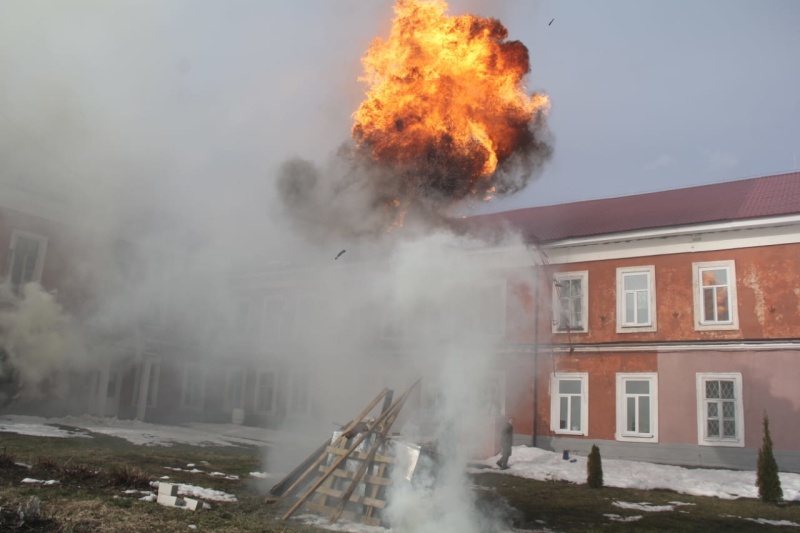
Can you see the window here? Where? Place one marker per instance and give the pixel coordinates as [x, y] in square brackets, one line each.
[569, 413]
[234, 388]
[637, 407]
[27, 258]
[193, 386]
[265, 391]
[570, 301]
[487, 309]
[636, 299]
[154, 366]
[249, 315]
[299, 394]
[719, 405]
[278, 320]
[715, 295]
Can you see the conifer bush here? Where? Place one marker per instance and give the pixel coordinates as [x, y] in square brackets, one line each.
[767, 478]
[594, 469]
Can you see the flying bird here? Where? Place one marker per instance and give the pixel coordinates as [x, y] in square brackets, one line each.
[551, 21]
[339, 255]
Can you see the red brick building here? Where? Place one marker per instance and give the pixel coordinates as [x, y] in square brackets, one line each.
[665, 324]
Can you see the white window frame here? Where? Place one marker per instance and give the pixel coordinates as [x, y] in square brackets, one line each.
[38, 267]
[702, 439]
[188, 369]
[229, 378]
[558, 277]
[257, 391]
[555, 402]
[152, 389]
[622, 434]
[704, 325]
[622, 326]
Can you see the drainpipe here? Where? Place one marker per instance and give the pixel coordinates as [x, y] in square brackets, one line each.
[144, 381]
[535, 351]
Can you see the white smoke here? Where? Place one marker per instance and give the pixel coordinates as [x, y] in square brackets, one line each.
[40, 341]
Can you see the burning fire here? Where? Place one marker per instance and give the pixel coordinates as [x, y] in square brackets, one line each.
[446, 106]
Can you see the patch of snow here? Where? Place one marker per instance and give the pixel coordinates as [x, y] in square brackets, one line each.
[33, 481]
[644, 506]
[261, 475]
[535, 463]
[618, 518]
[193, 491]
[767, 522]
[32, 426]
[149, 498]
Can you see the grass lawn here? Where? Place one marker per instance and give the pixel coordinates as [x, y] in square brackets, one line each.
[94, 473]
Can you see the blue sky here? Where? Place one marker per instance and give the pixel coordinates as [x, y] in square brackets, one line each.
[203, 99]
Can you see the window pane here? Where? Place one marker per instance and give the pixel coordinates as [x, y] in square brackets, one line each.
[642, 307]
[712, 389]
[637, 386]
[716, 276]
[709, 305]
[727, 389]
[629, 308]
[569, 386]
[631, 422]
[722, 304]
[728, 409]
[644, 414]
[575, 413]
[564, 411]
[635, 282]
[713, 428]
[729, 428]
[577, 314]
[713, 410]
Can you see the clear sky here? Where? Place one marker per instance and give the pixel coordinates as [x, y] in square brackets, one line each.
[205, 98]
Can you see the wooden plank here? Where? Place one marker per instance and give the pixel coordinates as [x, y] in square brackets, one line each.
[364, 500]
[375, 488]
[361, 456]
[347, 515]
[349, 474]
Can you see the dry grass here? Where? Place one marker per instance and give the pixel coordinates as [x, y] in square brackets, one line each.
[129, 477]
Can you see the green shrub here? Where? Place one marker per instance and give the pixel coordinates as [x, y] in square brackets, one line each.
[594, 469]
[767, 478]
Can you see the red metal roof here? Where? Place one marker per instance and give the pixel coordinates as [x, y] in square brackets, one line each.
[718, 202]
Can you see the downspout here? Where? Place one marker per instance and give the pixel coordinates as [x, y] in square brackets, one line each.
[535, 351]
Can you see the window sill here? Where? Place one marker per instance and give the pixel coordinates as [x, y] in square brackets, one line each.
[631, 438]
[637, 329]
[722, 443]
[716, 327]
[565, 432]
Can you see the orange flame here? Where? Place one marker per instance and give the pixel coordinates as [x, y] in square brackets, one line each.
[446, 99]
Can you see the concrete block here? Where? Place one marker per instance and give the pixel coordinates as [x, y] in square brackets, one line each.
[168, 489]
[192, 504]
[166, 499]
